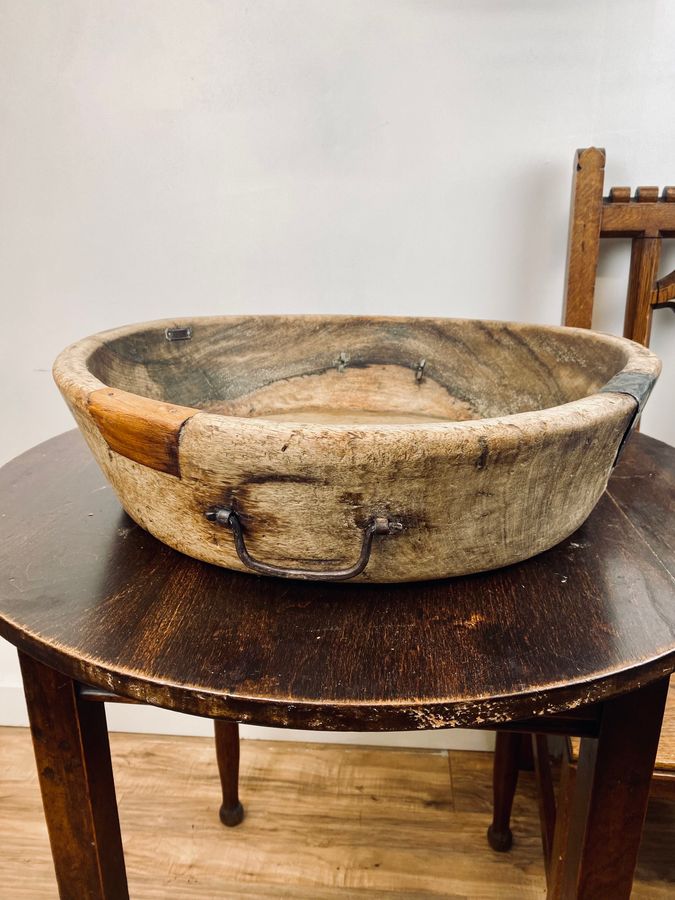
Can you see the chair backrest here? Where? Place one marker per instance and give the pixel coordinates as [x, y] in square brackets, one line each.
[646, 217]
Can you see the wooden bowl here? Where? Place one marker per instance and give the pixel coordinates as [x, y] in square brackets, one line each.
[379, 449]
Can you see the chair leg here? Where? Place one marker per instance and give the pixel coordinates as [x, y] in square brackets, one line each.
[227, 754]
[504, 781]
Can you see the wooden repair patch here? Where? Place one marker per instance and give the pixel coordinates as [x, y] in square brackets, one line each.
[146, 431]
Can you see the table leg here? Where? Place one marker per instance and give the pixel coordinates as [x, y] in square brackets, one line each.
[568, 773]
[508, 749]
[609, 800]
[227, 754]
[72, 752]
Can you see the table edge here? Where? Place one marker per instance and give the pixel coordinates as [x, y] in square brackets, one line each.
[337, 715]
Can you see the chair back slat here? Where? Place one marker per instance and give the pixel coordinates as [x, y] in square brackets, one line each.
[644, 269]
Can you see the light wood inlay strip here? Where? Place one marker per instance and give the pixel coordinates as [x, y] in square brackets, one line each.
[143, 430]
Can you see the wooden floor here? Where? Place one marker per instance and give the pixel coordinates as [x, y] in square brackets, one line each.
[322, 821]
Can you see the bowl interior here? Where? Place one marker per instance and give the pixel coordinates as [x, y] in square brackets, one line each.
[315, 369]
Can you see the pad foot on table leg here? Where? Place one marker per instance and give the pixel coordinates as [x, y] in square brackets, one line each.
[231, 815]
[504, 779]
[501, 841]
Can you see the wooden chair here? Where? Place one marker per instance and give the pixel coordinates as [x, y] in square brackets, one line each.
[647, 219]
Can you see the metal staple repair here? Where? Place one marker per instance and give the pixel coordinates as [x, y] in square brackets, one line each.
[342, 361]
[178, 334]
[419, 369]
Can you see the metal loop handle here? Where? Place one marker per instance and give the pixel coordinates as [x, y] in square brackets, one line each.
[224, 515]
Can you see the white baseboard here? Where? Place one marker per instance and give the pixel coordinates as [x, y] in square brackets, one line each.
[12, 705]
[151, 720]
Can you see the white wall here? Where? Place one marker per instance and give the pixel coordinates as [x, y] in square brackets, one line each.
[163, 158]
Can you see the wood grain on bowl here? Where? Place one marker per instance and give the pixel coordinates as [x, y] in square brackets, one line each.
[484, 442]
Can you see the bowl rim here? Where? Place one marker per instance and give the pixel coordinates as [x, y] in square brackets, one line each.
[74, 378]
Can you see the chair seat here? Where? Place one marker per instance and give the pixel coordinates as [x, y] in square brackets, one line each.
[665, 757]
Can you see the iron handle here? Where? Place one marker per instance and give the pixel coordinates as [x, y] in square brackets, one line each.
[227, 517]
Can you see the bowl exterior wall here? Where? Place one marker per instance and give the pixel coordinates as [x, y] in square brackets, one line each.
[471, 497]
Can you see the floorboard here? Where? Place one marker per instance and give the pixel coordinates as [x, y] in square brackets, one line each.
[322, 821]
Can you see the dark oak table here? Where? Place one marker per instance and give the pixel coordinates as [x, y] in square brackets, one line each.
[580, 640]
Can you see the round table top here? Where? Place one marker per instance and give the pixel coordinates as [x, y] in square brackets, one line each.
[88, 592]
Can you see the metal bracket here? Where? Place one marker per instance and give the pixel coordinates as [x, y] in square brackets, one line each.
[224, 515]
[637, 385]
[178, 334]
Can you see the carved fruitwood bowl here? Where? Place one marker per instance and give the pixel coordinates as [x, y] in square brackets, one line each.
[379, 449]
